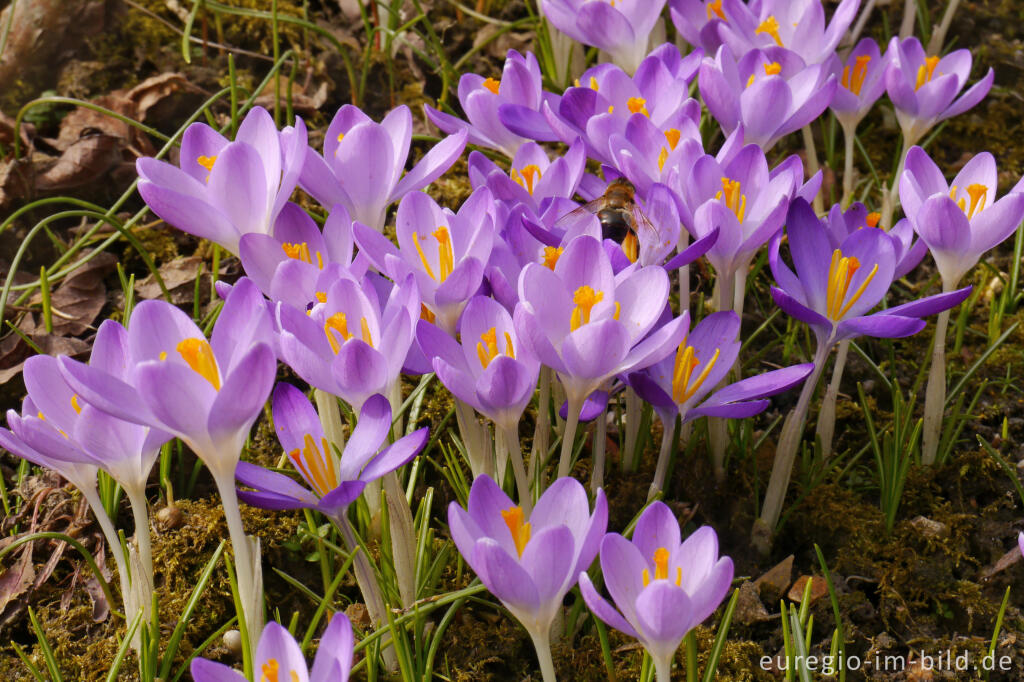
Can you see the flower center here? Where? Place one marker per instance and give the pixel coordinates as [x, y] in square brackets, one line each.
[316, 465]
[872, 219]
[732, 198]
[840, 275]
[715, 9]
[637, 105]
[207, 163]
[770, 69]
[551, 255]
[855, 81]
[445, 255]
[672, 137]
[661, 556]
[301, 252]
[926, 71]
[487, 347]
[585, 299]
[771, 27]
[199, 356]
[977, 193]
[682, 372]
[527, 177]
[519, 529]
[492, 85]
[338, 323]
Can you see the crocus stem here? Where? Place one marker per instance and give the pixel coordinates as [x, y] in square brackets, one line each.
[827, 415]
[662, 669]
[479, 460]
[569, 436]
[667, 431]
[718, 431]
[890, 198]
[600, 446]
[110, 534]
[785, 454]
[935, 393]
[245, 565]
[542, 643]
[849, 137]
[907, 25]
[403, 538]
[508, 437]
[366, 580]
[862, 21]
[939, 37]
[634, 407]
[812, 164]
[140, 513]
[542, 429]
[330, 418]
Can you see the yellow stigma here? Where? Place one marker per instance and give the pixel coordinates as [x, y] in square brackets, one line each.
[770, 69]
[840, 275]
[341, 136]
[686, 361]
[732, 198]
[301, 252]
[714, 8]
[872, 219]
[269, 670]
[337, 323]
[527, 177]
[364, 327]
[661, 557]
[926, 71]
[163, 355]
[672, 135]
[551, 255]
[662, 158]
[977, 193]
[199, 356]
[487, 347]
[491, 85]
[611, 108]
[771, 27]
[520, 531]
[855, 81]
[321, 297]
[316, 464]
[585, 299]
[207, 162]
[74, 404]
[445, 256]
[637, 105]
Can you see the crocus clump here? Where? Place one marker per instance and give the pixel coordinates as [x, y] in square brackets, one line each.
[663, 586]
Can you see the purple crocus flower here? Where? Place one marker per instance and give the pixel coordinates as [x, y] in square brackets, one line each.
[697, 21]
[333, 482]
[861, 82]
[923, 88]
[224, 189]
[961, 220]
[288, 265]
[530, 561]
[663, 587]
[348, 344]
[602, 104]
[797, 25]
[534, 180]
[363, 161]
[909, 251]
[445, 251]
[279, 657]
[588, 324]
[519, 93]
[622, 30]
[771, 92]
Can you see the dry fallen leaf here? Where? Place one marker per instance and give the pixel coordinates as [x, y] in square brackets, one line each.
[16, 579]
[179, 276]
[83, 162]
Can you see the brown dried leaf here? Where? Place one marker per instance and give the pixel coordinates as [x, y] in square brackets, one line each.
[179, 276]
[81, 296]
[158, 93]
[85, 161]
[16, 579]
[100, 606]
[1004, 562]
[82, 122]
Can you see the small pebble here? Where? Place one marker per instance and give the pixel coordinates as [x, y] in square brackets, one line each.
[233, 642]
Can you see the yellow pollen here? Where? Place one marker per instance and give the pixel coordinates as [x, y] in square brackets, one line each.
[527, 177]
[772, 69]
[294, 676]
[637, 105]
[662, 158]
[316, 464]
[771, 27]
[715, 8]
[337, 323]
[840, 274]
[926, 71]
[977, 193]
[207, 162]
[163, 355]
[593, 84]
[301, 252]
[631, 247]
[520, 531]
[860, 70]
[873, 218]
[551, 255]
[491, 85]
[321, 297]
[364, 327]
[611, 108]
[585, 299]
[672, 135]
[269, 670]
[686, 361]
[199, 356]
[487, 348]
[74, 404]
[732, 198]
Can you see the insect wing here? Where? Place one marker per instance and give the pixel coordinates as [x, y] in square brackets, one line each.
[575, 221]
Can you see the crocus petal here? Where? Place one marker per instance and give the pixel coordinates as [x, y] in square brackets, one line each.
[656, 527]
[607, 613]
[665, 615]
[504, 577]
[396, 455]
[241, 398]
[266, 481]
[207, 671]
[880, 325]
[334, 656]
[432, 166]
[547, 562]
[276, 643]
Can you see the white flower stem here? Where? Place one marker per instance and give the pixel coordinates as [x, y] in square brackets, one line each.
[890, 198]
[569, 436]
[935, 393]
[246, 565]
[827, 414]
[634, 408]
[542, 643]
[542, 428]
[718, 431]
[909, 13]
[785, 455]
[662, 669]
[849, 137]
[140, 512]
[330, 417]
[667, 431]
[110, 534]
[480, 461]
[600, 447]
[508, 438]
[812, 164]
